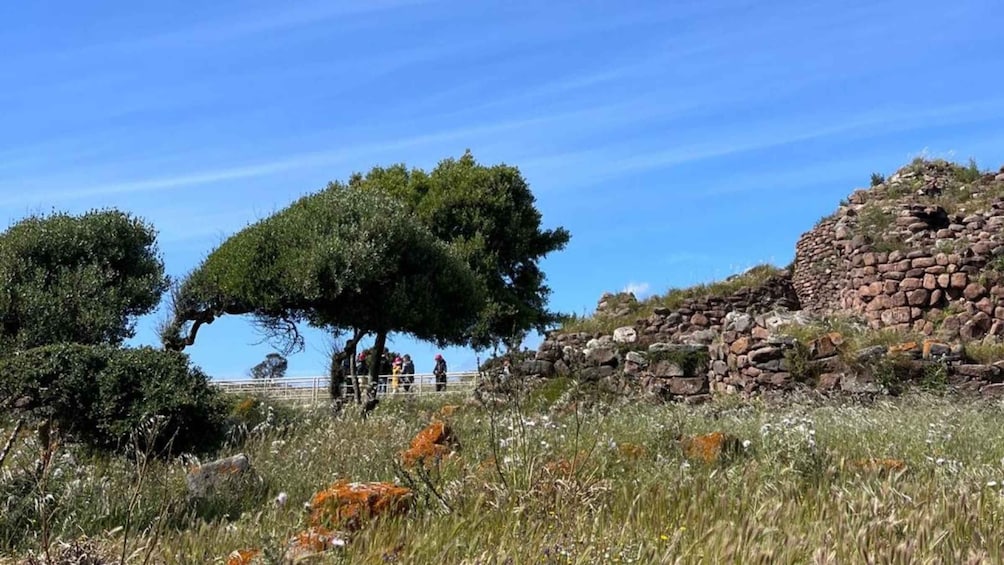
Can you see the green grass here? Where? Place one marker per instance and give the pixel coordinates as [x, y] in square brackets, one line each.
[794, 495]
[672, 299]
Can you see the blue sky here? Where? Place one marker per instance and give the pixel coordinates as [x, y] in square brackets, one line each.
[679, 141]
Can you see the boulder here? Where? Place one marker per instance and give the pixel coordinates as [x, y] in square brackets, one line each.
[666, 369]
[626, 334]
[636, 357]
[205, 480]
[765, 354]
[602, 356]
[702, 337]
[686, 386]
[537, 367]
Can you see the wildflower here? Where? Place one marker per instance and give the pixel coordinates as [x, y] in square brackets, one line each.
[281, 499]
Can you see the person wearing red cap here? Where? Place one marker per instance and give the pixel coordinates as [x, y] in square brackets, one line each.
[440, 373]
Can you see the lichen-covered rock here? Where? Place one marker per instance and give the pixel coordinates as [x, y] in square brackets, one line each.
[430, 445]
[346, 506]
[205, 480]
[710, 448]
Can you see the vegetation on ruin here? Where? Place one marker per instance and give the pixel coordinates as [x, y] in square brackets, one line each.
[671, 299]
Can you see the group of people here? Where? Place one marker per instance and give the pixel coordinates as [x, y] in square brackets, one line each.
[397, 375]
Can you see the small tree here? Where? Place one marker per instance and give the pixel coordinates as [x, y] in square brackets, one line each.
[77, 279]
[273, 367]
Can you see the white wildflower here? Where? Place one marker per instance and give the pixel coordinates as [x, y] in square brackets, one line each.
[281, 499]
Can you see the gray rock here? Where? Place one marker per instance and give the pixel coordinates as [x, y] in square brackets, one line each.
[765, 354]
[666, 369]
[204, 480]
[686, 386]
[674, 348]
[593, 374]
[602, 355]
[857, 383]
[626, 334]
[636, 357]
[537, 367]
[702, 337]
[738, 321]
[982, 372]
[776, 320]
[871, 353]
[562, 369]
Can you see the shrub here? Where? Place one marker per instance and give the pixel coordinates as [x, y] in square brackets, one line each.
[100, 395]
[877, 179]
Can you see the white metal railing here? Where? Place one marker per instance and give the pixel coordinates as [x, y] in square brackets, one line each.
[315, 389]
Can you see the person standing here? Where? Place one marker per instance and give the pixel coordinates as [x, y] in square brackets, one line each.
[395, 374]
[407, 373]
[440, 373]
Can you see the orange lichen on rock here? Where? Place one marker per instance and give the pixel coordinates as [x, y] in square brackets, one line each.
[709, 448]
[632, 450]
[311, 542]
[347, 506]
[878, 465]
[430, 445]
[243, 557]
[448, 410]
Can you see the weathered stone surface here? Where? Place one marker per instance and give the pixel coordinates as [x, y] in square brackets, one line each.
[538, 367]
[205, 480]
[636, 357]
[666, 369]
[829, 381]
[626, 334]
[765, 354]
[982, 372]
[993, 390]
[685, 386]
[602, 355]
[592, 374]
[858, 383]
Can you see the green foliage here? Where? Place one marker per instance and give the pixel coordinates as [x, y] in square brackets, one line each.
[488, 213]
[800, 363]
[969, 174]
[76, 279]
[273, 367]
[338, 259]
[101, 395]
[877, 179]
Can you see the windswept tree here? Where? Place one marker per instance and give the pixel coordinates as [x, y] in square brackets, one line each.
[489, 214]
[340, 259]
[77, 279]
[272, 367]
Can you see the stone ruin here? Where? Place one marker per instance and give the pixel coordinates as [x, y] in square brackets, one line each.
[921, 254]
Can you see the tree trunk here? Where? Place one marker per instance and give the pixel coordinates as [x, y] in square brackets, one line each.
[376, 362]
[356, 336]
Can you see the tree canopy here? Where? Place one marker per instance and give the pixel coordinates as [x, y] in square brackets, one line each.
[489, 214]
[77, 279]
[338, 259]
[272, 367]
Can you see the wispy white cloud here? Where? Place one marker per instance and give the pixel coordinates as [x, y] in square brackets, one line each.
[639, 289]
